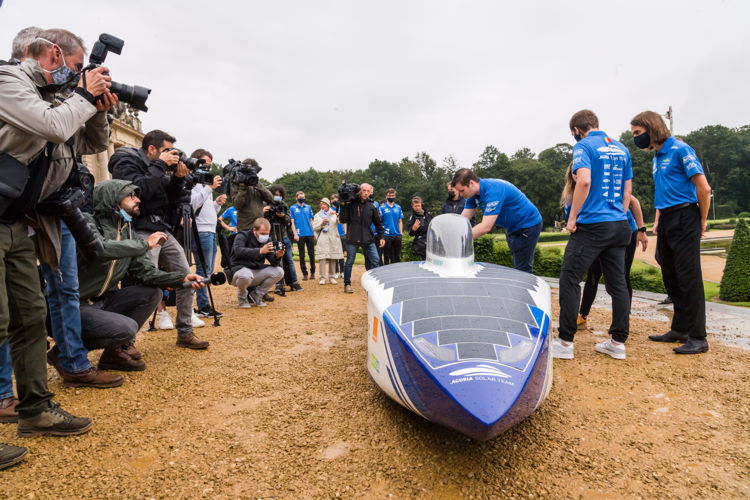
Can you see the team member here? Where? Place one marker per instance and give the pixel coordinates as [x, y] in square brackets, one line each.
[599, 229]
[682, 197]
[502, 204]
[302, 218]
[393, 224]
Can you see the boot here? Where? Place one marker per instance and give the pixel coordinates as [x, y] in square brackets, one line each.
[92, 378]
[692, 346]
[192, 342]
[8, 413]
[132, 351]
[10, 454]
[670, 336]
[54, 421]
[268, 298]
[117, 358]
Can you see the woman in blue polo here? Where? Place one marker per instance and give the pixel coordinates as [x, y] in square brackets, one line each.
[502, 204]
[682, 197]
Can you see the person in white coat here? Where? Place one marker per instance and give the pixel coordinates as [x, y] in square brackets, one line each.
[328, 248]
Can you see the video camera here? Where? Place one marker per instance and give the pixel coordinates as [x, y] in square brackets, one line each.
[237, 172]
[134, 95]
[348, 192]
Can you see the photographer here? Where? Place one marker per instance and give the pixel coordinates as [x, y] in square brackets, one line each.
[147, 168]
[111, 316]
[248, 196]
[249, 268]
[359, 215]
[278, 212]
[37, 157]
[418, 224]
[302, 218]
[205, 210]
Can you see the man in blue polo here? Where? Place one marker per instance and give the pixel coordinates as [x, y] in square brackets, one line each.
[392, 217]
[302, 217]
[599, 228]
[504, 205]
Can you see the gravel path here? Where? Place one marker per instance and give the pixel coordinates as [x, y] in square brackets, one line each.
[281, 406]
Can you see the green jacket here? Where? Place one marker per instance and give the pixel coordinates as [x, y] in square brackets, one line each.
[123, 251]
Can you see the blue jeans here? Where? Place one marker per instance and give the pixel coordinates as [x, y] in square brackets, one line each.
[371, 254]
[289, 259]
[208, 245]
[65, 306]
[6, 371]
[522, 244]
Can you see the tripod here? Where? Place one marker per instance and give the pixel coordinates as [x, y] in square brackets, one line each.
[277, 237]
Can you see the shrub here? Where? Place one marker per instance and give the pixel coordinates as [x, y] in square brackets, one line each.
[735, 283]
[648, 279]
[744, 215]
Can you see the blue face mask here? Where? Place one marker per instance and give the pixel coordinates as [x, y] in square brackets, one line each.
[62, 75]
[277, 198]
[263, 238]
[125, 216]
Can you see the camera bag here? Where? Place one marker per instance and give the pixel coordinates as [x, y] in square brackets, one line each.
[13, 178]
[21, 185]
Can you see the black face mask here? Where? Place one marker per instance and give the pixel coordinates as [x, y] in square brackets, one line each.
[577, 137]
[390, 200]
[643, 141]
[300, 200]
[335, 204]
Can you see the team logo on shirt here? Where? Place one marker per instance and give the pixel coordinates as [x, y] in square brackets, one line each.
[491, 205]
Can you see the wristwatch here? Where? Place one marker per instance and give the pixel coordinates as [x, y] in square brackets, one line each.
[642, 229]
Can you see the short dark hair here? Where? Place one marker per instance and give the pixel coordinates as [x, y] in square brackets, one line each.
[654, 125]
[68, 42]
[199, 153]
[250, 161]
[389, 191]
[278, 188]
[584, 120]
[156, 138]
[464, 176]
[416, 199]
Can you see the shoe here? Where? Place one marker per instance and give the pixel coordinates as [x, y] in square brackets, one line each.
[201, 313]
[165, 321]
[10, 454]
[312, 276]
[53, 358]
[296, 287]
[196, 322]
[581, 323]
[333, 281]
[562, 351]
[54, 421]
[670, 336]
[192, 342]
[117, 358]
[92, 378]
[692, 346]
[348, 289]
[304, 277]
[609, 348]
[8, 413]
[322, 281]
[666, 301]
[243, 303]
[131, 350]
[214, 312]
[257, 299]
[207, 312]
[267, 298]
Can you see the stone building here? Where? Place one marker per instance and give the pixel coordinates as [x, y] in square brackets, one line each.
[125, 129]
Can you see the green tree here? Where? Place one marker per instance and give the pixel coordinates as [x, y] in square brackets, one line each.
[735, 283]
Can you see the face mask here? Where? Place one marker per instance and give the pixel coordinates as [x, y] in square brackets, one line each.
[577, 137]
[277, 198]
[263, 238]
[390, 200]
[300, 200]
[125, 216]
[335, 204]
[642, 141]
[63, 74]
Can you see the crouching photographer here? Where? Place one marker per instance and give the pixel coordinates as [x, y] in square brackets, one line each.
[111, 316]
[250, 252]
[156, 169]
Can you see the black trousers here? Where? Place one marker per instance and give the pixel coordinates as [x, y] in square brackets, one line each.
[678, 244]
[116, 319]
[392, 250]
[595, 274]
[309, 242]
[605, 241]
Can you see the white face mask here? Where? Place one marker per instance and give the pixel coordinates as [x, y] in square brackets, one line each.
[263, 238]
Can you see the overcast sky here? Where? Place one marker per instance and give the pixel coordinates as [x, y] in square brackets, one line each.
[337, 84]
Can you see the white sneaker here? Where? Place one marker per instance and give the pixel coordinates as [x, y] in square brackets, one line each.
[560, 350]
[196, 322]
[607, 347]
[165, 321]
[322, 281]
[334, 282]
[243, 303]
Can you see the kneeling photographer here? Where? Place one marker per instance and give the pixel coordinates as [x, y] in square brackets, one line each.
[160, 175]
[111, 316]
[248, 196]
[250, 251]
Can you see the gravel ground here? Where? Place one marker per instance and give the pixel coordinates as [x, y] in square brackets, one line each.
[281, 406]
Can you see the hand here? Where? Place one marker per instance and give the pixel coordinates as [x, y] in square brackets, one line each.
[704, 228]
[196, 281]
[325, 222]
[97, 81]
[296, 237]
[641, 239]
[279, 253]
[153, 239]
[382, 243]
[217, 183]
[417, 225]
[181, 170]
[107, 102]
[266, 208]
[267, 248]
[232, 229]
[221, 199]
[169, 157]
[571, 226]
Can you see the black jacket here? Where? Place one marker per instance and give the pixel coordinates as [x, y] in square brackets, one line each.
[358, 217]
[451, 206]
[158, 190]
[246, 253]
[419, 244]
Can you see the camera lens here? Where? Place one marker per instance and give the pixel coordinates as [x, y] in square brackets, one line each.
[134, 95]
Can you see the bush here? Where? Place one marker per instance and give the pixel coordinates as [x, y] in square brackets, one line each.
[648, 279]
[744, 215]
[735, 283]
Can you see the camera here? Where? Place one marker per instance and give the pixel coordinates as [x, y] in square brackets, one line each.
[197, 174]
[278, 208]
[134, 95]
[66, 204]
[348, 192]
[237, 172]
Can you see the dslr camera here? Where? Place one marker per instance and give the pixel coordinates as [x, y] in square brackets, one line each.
[198, 173]
[134, 95]
[348, 192]
[237, 172]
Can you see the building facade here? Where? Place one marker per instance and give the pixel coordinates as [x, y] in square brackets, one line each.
[125, 130]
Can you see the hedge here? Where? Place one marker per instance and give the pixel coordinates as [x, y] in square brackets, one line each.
[735, 283]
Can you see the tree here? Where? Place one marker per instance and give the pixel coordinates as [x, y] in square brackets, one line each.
[735, 283]
[558, 157]
[523, 153]
[492, 164]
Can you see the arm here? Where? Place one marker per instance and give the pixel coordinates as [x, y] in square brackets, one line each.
[635, 208]
[129, 168]
[468, 212]
[94, 136]
[703, 191]
[240, 250]
[401, 225]
[656, 221]
[145, 272]
[410, 224]
[114, 249]
[240, 197]
[580, 193]
[483, 227]
[199, 195]
[626, 195]
[378, 226]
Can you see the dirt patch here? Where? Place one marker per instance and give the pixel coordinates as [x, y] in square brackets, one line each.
[281, 406]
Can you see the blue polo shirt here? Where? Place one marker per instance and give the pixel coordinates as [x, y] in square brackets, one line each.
[342, 231]
[230, 214]
[610, 166]
[673, 167]
[302, 216]
[498, 197]
[390, 217]
[631, 219]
